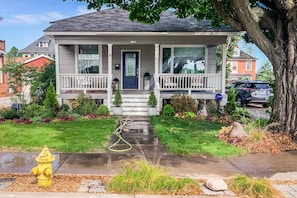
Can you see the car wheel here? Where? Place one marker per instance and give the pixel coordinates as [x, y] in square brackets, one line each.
[239, 102]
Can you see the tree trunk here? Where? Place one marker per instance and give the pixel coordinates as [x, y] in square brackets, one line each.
[284, 61]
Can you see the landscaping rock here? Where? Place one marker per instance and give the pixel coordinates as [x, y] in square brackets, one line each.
[237, 131]
[216, 184]
[92, 186]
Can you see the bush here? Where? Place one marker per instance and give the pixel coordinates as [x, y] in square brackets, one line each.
[9, 113]
[117, 99]
[35, 110]
[252, 187]
[168, 110]
[50, 100]
[231, 102]
[183, 103]
[103, 110]
[152, 101]
[84, 105]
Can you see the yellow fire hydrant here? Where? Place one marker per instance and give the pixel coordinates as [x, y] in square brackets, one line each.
[44, 170]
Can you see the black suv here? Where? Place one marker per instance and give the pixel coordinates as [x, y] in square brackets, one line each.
[257, 92]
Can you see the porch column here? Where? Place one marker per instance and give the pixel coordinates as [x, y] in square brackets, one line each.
[156, 90]
[57, 62]
[109, 87]
[224, 58]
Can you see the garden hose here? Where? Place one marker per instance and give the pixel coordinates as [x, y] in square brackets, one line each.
[118, 132]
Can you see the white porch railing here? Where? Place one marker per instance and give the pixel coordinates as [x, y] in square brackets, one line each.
[189, 82]
[83, 82]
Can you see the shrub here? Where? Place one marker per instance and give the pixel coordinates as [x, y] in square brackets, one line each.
[84, 105]
[36, 120]
[231, 102]
[35, 110]
[183, 103]
[103, 110]
[117, 99]
[152, 101]
[149, 179]
[168, 110]
[50, 100]
[253, 187]
[190, 114]
[9, 113]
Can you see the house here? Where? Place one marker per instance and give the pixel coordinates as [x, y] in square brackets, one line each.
[37, 62]
[242, 65]
[95, 50]
[3, 85]
[42, 46]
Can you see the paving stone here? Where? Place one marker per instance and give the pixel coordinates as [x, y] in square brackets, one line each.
[290, 191]
[92, 186]
[4, 182]
[284, 176]
[207, 191]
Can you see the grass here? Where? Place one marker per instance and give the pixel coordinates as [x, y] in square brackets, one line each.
[253, 187]
[191, 137]
[149, 179]
[75, 136]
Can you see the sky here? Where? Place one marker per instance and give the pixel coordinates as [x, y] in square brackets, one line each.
[24, 21]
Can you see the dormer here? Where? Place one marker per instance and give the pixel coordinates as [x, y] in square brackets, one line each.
[236, 52]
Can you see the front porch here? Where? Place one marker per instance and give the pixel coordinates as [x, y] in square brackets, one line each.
[197, 86]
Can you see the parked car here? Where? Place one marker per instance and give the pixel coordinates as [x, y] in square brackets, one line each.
[258, 92]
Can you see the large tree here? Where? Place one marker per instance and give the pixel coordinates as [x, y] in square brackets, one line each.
[270, 24]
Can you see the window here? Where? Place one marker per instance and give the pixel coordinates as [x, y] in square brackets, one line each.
[42, 44]
[236, 52]
[183, 60]
[88, 59]
[234, 66]
[249, 65]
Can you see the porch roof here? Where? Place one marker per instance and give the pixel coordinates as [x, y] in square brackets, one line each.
[117, 20]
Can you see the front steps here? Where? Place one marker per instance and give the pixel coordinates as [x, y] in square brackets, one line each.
[134, 104]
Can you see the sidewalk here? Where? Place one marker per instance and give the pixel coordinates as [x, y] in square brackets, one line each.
[280, 166]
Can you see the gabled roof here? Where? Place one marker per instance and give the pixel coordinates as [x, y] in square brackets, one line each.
[33, 47]
[117, 20]
[243, 56]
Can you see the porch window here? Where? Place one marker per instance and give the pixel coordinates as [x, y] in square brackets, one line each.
[88, 59]
[186, 60]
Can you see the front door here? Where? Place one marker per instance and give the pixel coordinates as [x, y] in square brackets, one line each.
[130, 70]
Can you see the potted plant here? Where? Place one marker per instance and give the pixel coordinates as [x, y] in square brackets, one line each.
[152, 103]
[117, 109]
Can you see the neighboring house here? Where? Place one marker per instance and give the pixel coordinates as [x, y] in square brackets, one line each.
[96, 49]
[36, 62]
[242, 66]
[42, 46]
[3, 85]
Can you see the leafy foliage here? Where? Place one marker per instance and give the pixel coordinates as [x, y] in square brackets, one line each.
[84, 105]
[103, 110]
[183, 103]
[35, 110]
[51, 98]
[168, 111]
[117, 99]
[152, 101]
[9, 113]
[266, 74]
[18, 74]
[231, 102]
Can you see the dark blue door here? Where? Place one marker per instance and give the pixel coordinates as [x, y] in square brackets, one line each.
[130, 70]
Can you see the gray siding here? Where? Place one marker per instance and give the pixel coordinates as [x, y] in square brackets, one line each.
[211, 68]
[67, 59]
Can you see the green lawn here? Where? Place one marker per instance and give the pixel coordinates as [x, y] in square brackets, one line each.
[179, 136]
[75, 136]
[194, 137]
